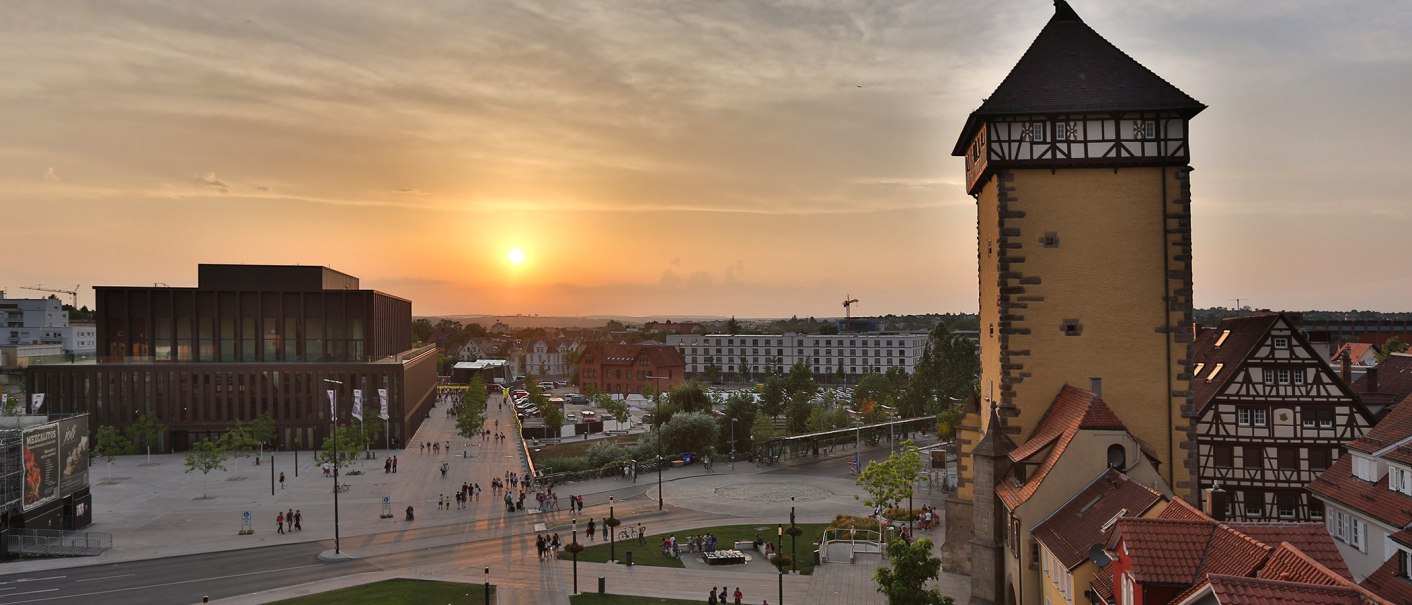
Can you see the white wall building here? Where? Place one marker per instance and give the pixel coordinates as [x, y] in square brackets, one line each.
[856, 354]
[37, 321]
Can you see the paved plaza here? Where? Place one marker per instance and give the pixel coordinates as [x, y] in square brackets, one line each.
[156, 510]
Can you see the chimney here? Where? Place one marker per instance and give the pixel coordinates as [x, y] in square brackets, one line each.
[1371, 378]
[1095, 384]
[1214, 502]
[1346, 367]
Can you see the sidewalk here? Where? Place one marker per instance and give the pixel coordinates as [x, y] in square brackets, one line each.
[156, 511]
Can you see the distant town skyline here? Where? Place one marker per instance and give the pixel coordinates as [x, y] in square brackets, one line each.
[661, 159]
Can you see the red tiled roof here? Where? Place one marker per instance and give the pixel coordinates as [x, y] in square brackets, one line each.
[1403, 537]
[1238, 590]
[1072, 530]
[1337, 484]
[1103, 585]
[1245, 334]
[627, 354]
[1355, 350]
[1073, 409]
[1394, 377]
[1312, 540]
[1070, 68]
[1179, 552]
[1291, 563]
[1394, 427]
[1387, 582]
[1180, 509]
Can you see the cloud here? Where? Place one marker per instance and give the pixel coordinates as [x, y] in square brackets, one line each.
[51, 176]
[262, 188]
[209, 180]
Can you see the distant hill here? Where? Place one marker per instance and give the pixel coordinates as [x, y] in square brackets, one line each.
[517, 322]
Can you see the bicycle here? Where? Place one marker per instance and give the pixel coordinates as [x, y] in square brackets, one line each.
[626, 535]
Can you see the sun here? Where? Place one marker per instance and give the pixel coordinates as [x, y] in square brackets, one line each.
[516, 256]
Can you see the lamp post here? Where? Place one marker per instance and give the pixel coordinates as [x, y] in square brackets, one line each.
[733, 421]
[487, 586]
[575, 549]
[793, 540]
[612, 542]
[657, 420]
[333, 409]
[779, 544]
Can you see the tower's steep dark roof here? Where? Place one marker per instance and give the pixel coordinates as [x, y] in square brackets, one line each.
[1069, 68]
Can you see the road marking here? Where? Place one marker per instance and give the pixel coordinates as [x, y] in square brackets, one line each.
[89, 594]
[106, 577]
[32, 592]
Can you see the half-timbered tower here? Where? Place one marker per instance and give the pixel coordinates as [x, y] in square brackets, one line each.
[1078, 163]
[1271, 415]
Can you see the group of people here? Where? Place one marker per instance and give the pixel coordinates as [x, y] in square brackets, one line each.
[390, 464]
[721, 598]
[701, 544]
[294, 519]
[547, 546]
[434, 447]
[928, 518]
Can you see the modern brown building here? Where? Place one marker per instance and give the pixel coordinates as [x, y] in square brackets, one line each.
[247, 340]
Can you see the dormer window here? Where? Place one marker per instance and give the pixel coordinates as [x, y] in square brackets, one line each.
[1199, 367]
[1281, 342]
[1363, 468]
[1214, 371]
[1222, 339]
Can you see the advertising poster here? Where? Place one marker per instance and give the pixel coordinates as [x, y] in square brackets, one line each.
[41, 459]
[73, 446]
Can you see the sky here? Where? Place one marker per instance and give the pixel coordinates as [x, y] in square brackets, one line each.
[685, 157]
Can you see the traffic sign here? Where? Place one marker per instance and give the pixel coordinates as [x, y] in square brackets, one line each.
[246, 514]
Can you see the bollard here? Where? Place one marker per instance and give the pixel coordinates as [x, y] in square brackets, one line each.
[602, 585]
[630, 558]
[463, 454]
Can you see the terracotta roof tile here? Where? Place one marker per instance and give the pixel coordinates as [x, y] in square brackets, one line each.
[1087, 518]
[1179, 552]
[1394, 377]
[1312, 540]
[1073, 409]
[1290, 563]
[1395, 426]
[1237, 590]
[1387, 582]
[1356, 351]
[1070, 68]
[1337, 484]
[1180, 509]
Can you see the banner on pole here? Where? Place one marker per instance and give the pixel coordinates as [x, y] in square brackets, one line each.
[332, 406]
[4, 403]
[36, 402]
[382, 400]
[358, 404]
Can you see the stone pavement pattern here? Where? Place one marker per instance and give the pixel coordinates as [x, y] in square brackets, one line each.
[156, 511]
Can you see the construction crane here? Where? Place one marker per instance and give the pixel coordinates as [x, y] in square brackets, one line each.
[73, 294]
[848, 312]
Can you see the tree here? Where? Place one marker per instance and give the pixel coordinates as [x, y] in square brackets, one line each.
[690, 397]
[146, 431]
[713, 373]
[237, 440]
[887, 482]
[946, 373]
[421, 330]
[617, 408]
[761, 430]
[772, 396]
[262, 430]
[911, 567]
[205, 456]
[741, 407]
[689, 432]
[820, 419]
[801, 380]
[351, 445]
[470, 419]
[732, 326]
[1390, 346]
[553, 416]
[110, 444]
[797, 414]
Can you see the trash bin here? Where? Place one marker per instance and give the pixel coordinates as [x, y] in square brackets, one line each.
[602, 585]
[630, 558]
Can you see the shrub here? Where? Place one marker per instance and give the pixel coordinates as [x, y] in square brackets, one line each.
[564, 464]
[604, 454]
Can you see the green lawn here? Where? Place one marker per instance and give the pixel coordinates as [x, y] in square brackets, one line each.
[651, 554]
[398, 592]
[617, 599]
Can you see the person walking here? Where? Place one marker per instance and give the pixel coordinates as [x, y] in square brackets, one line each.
[711, 600]
[298, 520]
[281, 480]
[387, 466]
[394, 464]
[289, 520]
[738, 595]
[590, 529]
[641, 534]
[279, 522]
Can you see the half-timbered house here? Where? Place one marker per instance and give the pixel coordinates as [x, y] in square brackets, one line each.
[1271, 414]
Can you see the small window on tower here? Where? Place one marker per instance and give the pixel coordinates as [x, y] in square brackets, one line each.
[1072, 327]
[1050, 240]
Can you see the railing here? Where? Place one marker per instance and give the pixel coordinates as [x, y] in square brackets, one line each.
[56, 543]
[870, 539]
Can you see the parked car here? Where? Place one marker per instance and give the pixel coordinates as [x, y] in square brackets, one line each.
[577, 398]
[571, 417]
[589, 415]
[546, 385]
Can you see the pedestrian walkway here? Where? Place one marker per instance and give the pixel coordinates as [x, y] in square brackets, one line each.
[156, 510]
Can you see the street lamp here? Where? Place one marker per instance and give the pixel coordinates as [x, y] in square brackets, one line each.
[779, 544]
[612, 542]
[733, 421]
[333, 411]
[487, 586]
[574, 548]
[657, 419]
[793, 540]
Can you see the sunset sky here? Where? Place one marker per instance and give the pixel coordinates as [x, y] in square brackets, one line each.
[662, 157]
